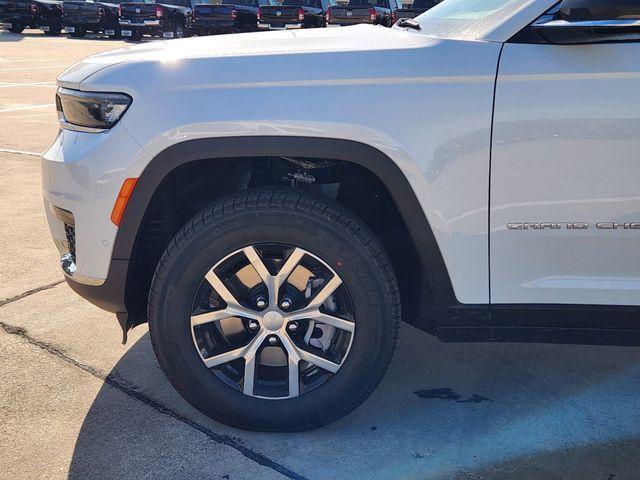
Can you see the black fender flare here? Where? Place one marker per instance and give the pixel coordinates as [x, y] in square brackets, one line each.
[291, 146]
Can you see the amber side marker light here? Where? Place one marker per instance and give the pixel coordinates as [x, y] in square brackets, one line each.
[122, 200]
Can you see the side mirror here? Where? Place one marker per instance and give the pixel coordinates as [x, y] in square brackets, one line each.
[590, 21]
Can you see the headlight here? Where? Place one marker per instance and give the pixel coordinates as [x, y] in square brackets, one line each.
[90, 110]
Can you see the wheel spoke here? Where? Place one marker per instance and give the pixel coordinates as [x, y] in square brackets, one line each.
[221, 289]
[318, 316]
[234, 309]
[293, 354]
[267, 278]
[256, 262]
[318, 361]
[326, 291]
[288, 267]
[298, 354]
[248, 350]
[249, 374]
[333, 321]
[208, 317]
[294, 382]
[224, 357]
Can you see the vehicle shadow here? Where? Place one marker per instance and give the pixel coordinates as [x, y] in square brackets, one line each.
[6, 36]
[442, 411]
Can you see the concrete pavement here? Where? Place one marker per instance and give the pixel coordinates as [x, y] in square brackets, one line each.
[75, 403]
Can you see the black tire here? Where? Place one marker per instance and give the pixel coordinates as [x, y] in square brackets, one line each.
[55, 27]
[17, 28]
[179, 32]
[78, 33]
[291, 217]
[136, 35]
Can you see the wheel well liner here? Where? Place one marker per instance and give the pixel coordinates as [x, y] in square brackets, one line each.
[279, 146]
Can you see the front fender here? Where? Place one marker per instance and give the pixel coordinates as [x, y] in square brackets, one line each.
[426, 104]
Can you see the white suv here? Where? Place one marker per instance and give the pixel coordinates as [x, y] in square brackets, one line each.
[269, 201]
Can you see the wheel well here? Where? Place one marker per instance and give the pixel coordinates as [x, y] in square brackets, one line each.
[188, 188]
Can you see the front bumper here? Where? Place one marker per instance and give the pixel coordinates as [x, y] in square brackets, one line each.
[286, 26]
[82, 174]
[72, 25]
[203, 27]
[26, 19]
[144, 25]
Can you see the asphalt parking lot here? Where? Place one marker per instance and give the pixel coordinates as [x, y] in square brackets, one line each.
[75, 403]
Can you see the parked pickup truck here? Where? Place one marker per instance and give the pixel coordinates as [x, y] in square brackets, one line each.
[230, 16]
[16, 15]
[293, 14]
[167, 19]
[380, 12]
[80, 17]
[417, 8]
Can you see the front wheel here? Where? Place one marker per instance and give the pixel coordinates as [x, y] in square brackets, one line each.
[16, 28]
[177, 32]
[78, 33]
[55, 27]
[274, 310]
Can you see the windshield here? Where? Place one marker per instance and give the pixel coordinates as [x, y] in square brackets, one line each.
[379, 3]
[424, 3]
[179, 3]
[299, 3]
[466, 19]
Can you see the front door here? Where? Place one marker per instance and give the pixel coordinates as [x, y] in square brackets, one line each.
[565, 175]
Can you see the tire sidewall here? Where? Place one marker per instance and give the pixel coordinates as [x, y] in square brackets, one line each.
[185, 270]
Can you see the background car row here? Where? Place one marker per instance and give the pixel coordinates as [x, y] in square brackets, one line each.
[180, 18]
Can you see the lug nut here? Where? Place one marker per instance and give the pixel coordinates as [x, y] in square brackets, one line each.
[272, 340]
[261, 302]
[285, 304]
[253, 325]
[292, 327]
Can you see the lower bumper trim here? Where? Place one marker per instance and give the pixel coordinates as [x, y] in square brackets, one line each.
[109, 295]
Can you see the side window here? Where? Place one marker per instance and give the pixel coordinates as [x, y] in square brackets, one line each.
[585, 22]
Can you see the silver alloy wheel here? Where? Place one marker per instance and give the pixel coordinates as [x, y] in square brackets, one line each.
[274, 297]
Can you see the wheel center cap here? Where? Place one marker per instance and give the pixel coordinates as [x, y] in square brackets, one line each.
[273, 321]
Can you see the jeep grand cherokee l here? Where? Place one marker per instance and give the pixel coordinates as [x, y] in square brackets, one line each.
[273, 249]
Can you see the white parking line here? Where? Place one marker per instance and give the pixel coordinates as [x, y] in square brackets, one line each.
[18, 69]
[20, 152]
[34, 84]
[29, 107]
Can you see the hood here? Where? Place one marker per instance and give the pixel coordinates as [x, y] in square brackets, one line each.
[285, 42]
